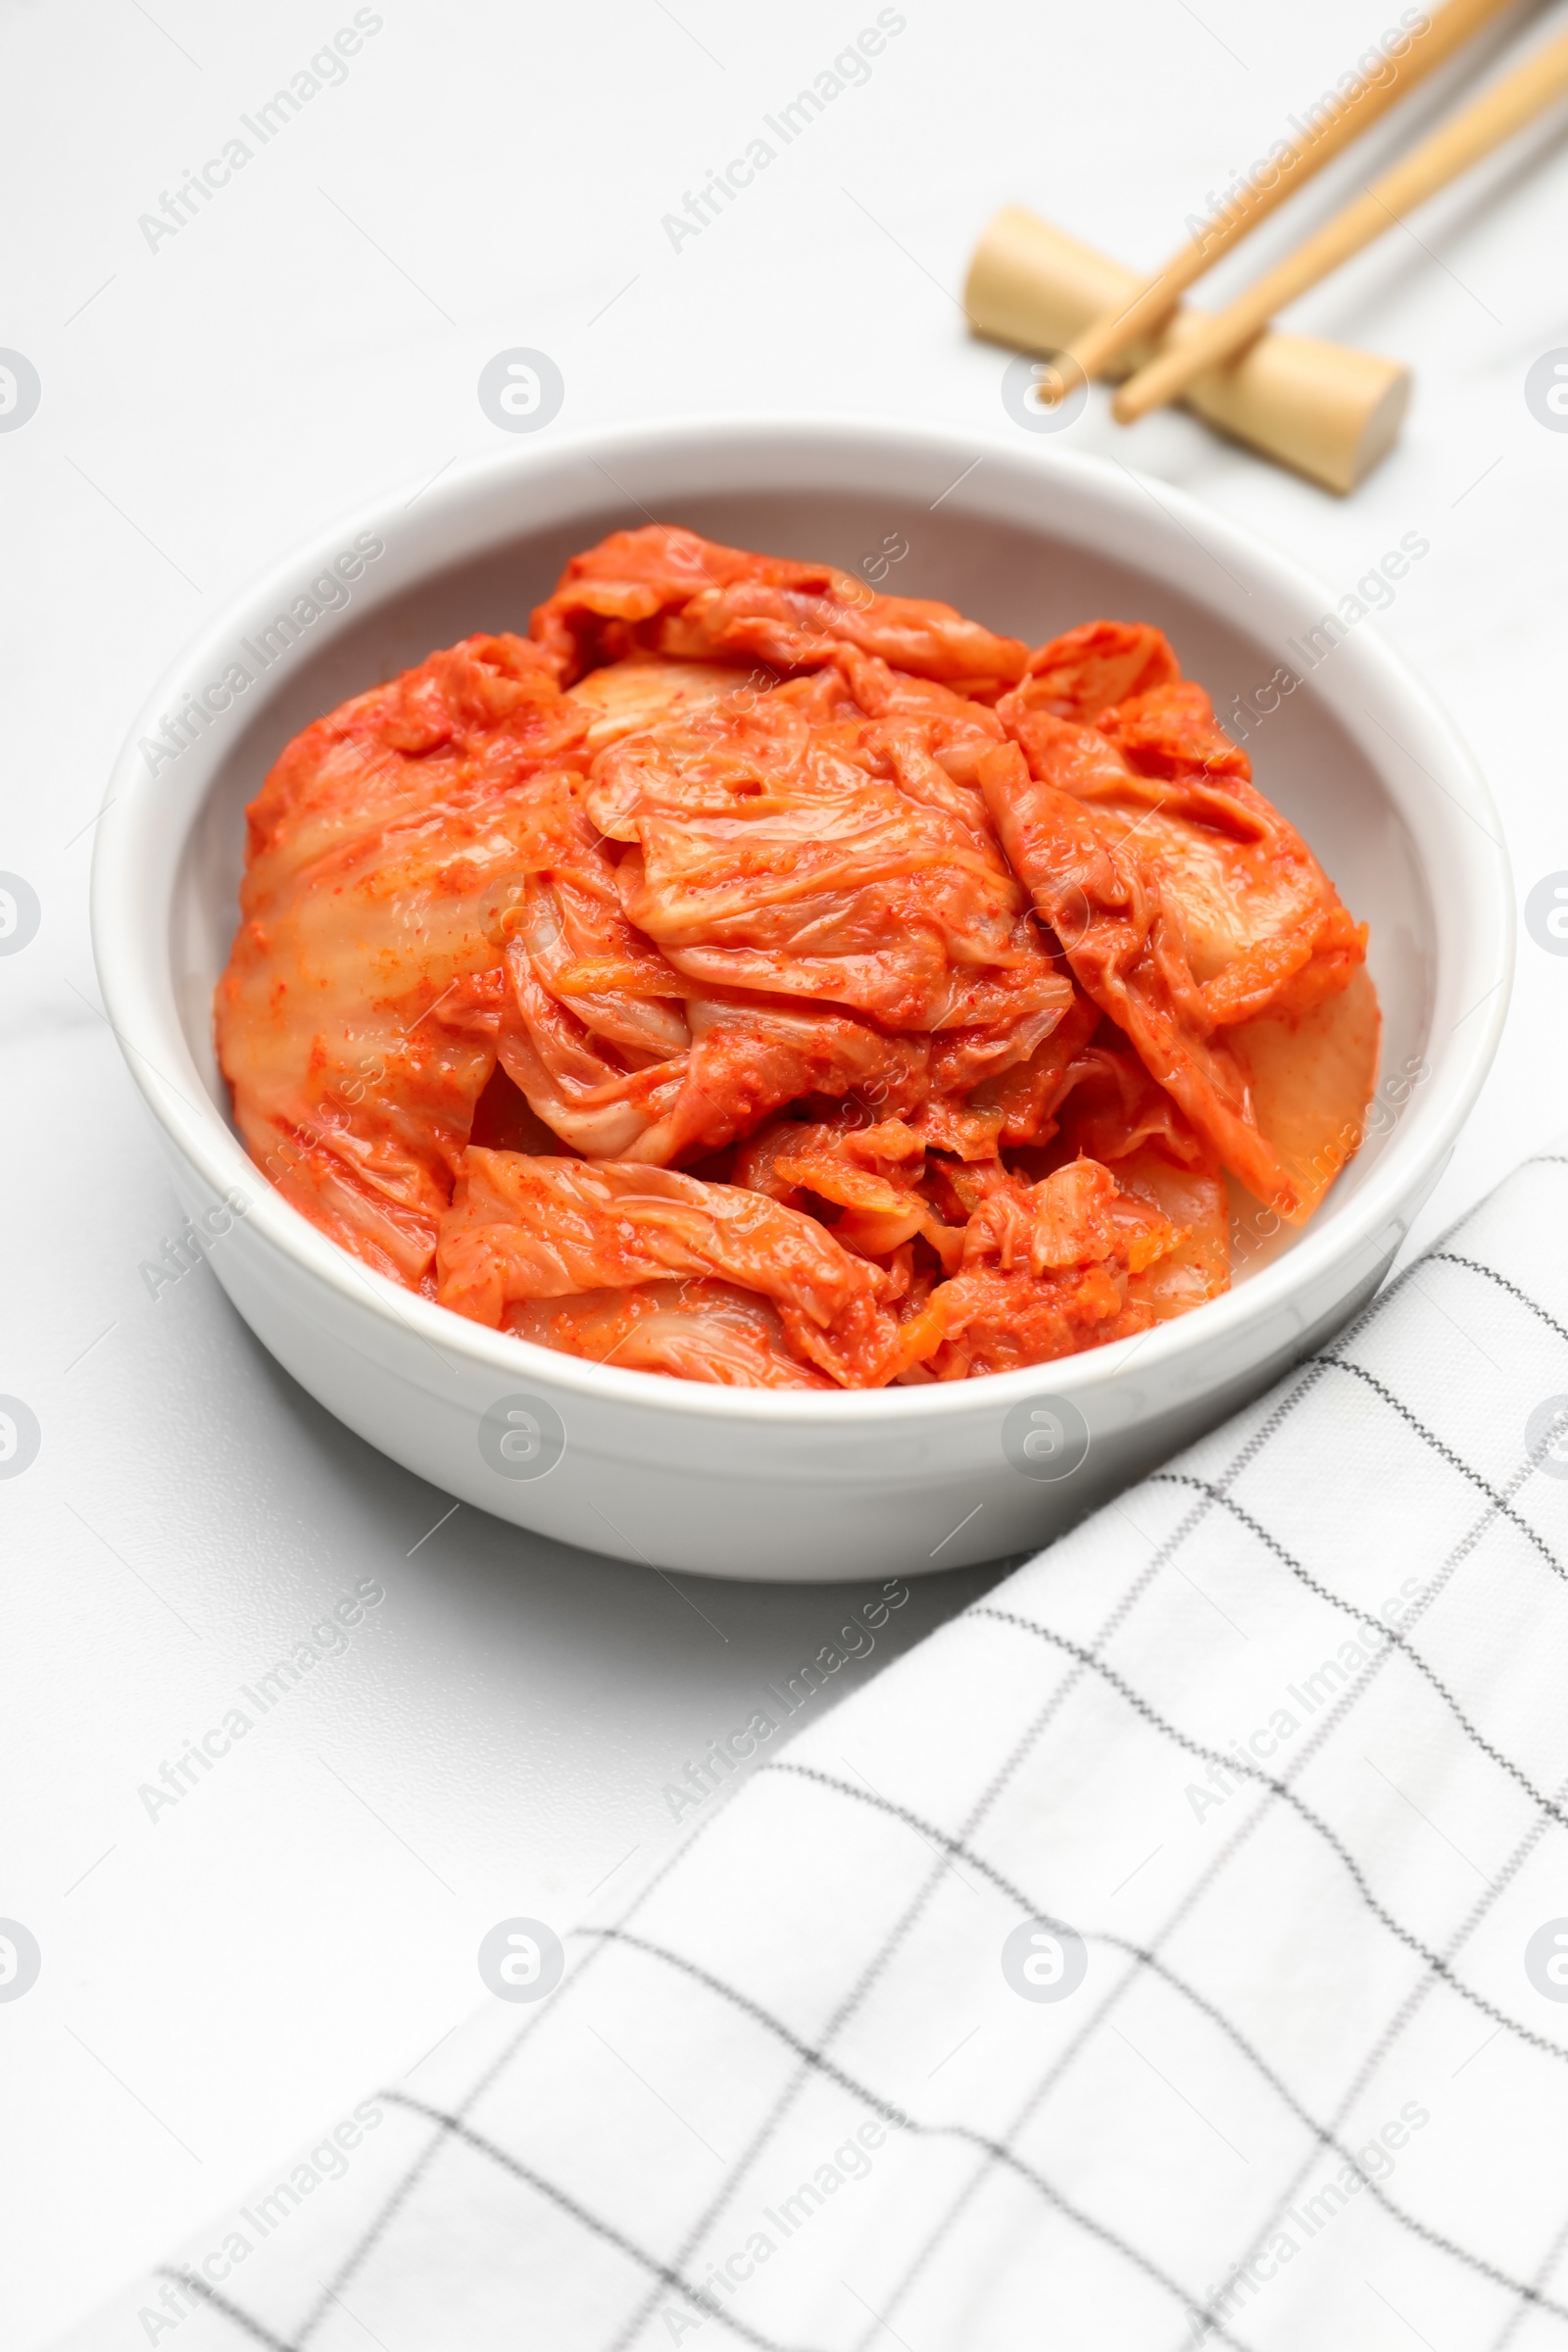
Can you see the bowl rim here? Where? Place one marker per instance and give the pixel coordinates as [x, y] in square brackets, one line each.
[133, 950]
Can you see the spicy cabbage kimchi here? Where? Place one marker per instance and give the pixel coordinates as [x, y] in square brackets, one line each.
[750, 978]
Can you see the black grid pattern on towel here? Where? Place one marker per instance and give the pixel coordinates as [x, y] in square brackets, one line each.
[1069, 1666]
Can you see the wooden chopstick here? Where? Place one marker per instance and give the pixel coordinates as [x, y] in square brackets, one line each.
[1105, 338]
[1494, 118]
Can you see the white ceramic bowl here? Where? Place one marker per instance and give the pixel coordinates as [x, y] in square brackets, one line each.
[725, 1481]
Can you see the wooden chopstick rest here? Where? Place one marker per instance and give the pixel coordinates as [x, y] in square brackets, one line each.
[1322, 409]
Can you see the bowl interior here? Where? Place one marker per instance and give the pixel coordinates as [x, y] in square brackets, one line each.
[1015, 576]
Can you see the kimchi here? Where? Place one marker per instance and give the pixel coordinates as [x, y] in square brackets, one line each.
[749, 978]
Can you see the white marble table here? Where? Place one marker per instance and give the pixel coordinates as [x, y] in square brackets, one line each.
[496, 1734]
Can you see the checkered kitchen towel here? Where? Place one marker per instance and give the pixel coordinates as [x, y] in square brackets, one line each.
[1173, 1949]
